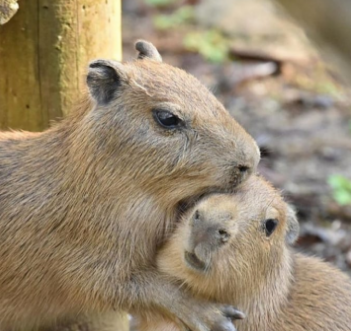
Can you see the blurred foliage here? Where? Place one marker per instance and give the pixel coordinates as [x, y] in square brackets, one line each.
[316, 78]
[182, 15]
[212, 45]
[160, 3]
[341, 189]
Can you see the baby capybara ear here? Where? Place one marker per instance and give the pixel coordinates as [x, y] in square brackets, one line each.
[104, 78]
[293, 225]
[147, 50]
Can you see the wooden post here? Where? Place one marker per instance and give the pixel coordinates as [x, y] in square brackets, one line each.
[44, 52]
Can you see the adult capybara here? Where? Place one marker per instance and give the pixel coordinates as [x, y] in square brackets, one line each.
[85, 204]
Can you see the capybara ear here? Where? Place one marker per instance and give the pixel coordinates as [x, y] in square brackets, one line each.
[104, 78]
[293, 225]
[148, 50]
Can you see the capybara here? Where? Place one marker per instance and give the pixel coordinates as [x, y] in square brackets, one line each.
[236, 249]
[85, 205]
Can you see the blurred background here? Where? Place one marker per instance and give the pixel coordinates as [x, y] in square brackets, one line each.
[289, 90]
[271, 78]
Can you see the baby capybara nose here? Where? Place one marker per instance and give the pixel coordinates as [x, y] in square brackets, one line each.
[207, 234]
[207, 231]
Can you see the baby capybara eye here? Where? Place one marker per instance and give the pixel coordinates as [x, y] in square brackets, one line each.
[166, 119]
[243, 168]
[269, 226]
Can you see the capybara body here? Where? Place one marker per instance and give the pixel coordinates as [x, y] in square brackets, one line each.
[235, 249]
[85, 204]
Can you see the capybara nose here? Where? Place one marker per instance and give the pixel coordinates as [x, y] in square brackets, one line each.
[246, 164]
[207, 232]
[240, 173]
[253, 156]
[206, 235]
[243, 168]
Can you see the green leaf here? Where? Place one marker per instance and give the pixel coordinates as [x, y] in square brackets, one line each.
[341, 189]
[159, 3]
[182, 15]
[210, 44]
[342, 197]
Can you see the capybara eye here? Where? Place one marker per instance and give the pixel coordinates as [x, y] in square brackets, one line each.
[167, 119]
[269, 226]
[243, 168]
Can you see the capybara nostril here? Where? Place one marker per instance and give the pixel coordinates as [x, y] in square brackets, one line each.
[223, 235]
[195, 219]
[211, 235]
[197, 215]
[239, 174]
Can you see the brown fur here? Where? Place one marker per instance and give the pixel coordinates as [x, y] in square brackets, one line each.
[277, 289]
[85, 204]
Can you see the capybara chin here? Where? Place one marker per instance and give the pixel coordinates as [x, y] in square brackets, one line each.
[85, 204]
[235, 249]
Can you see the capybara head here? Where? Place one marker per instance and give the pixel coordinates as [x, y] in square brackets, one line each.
[175, 140]
[230, 242]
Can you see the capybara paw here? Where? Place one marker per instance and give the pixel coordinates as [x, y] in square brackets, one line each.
[219, 318]
[232, 313]
[225, 322]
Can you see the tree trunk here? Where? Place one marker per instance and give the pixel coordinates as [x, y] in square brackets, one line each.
[44, 52]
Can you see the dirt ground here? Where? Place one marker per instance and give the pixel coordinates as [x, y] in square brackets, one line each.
[264, 70]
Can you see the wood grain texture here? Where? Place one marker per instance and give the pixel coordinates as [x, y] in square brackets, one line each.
[44, 52]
